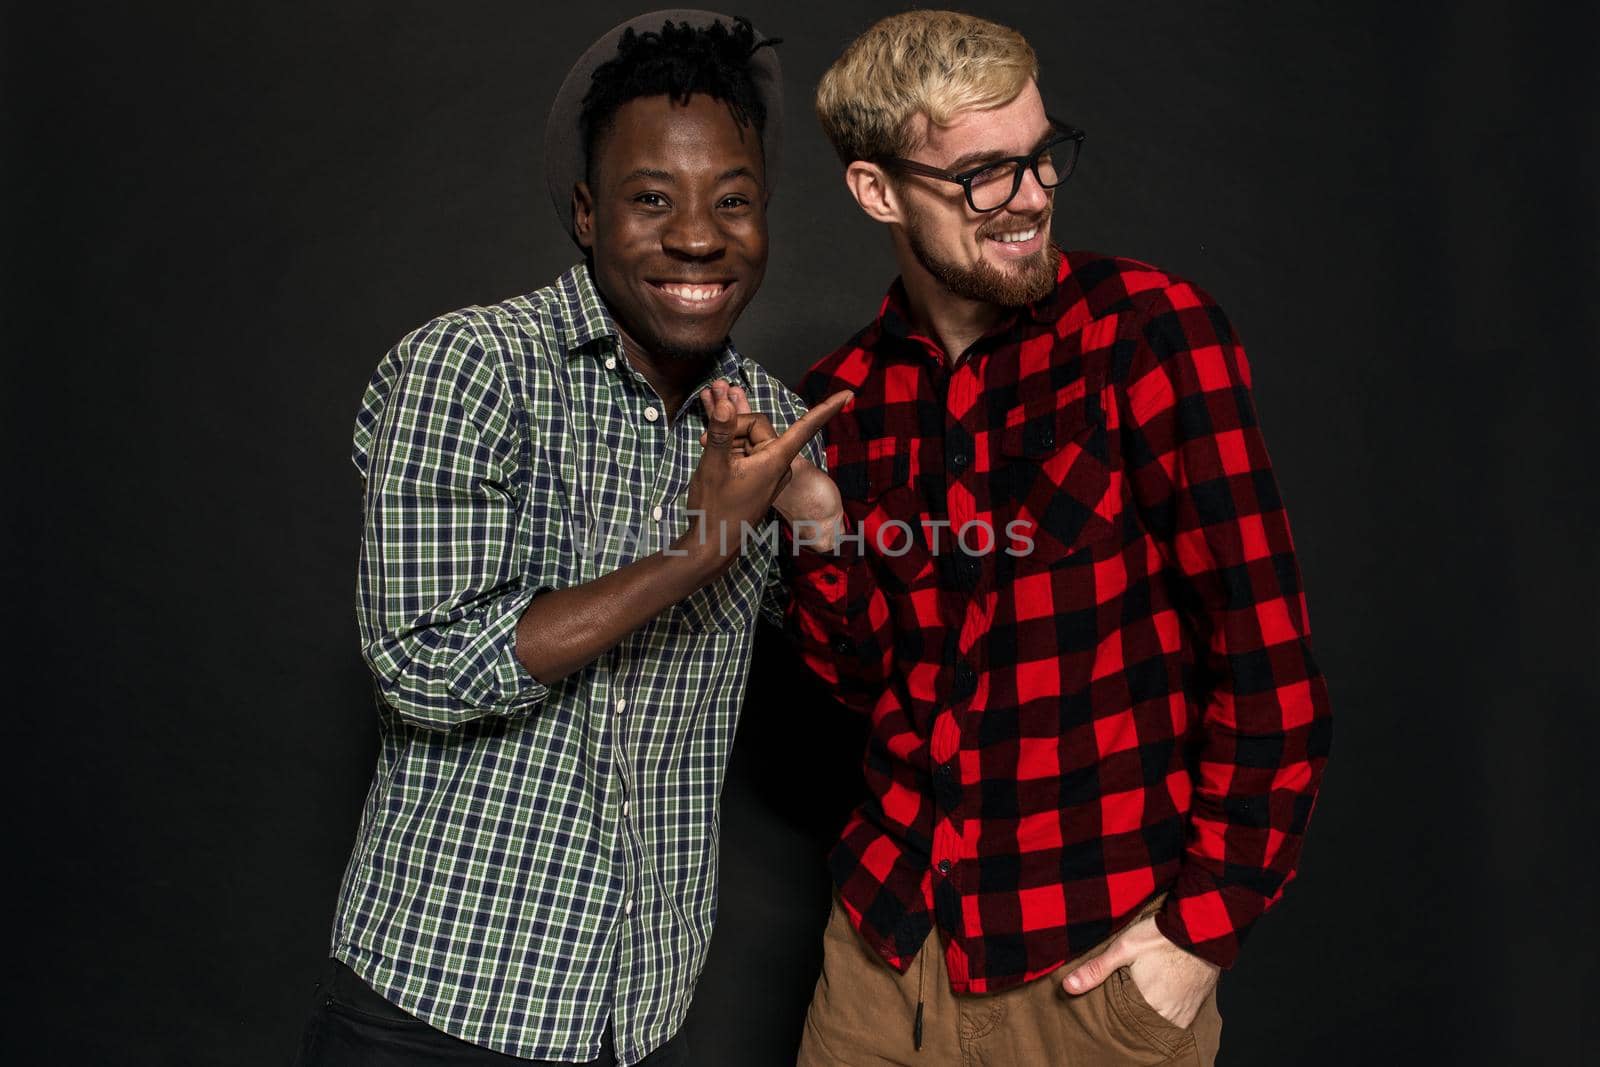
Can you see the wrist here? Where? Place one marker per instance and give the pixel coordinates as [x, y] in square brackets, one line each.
[698, 558]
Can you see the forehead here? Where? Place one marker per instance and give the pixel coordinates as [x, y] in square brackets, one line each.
[1012, 129]
[697, 135]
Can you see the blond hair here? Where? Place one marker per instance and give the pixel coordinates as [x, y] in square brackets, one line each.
[935, 63]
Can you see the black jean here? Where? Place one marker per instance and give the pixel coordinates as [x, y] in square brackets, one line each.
[352, 1025]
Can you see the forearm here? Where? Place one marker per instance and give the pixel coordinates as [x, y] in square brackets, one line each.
[564, 630]
[1256, 780]
[810, 507]
[1204, 485]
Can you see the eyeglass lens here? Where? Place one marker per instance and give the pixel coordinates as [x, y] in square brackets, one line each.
[994, 187]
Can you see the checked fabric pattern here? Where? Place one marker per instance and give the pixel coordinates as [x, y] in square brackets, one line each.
[1070, 606]
[532, 860]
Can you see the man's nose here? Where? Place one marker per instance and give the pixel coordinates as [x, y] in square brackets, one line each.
[1031, 197]
[693, 232]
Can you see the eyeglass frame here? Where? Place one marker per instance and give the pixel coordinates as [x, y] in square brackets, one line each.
[1065, 134]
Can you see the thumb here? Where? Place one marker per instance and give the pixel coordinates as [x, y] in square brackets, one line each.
[1091, 973]
[721, 420]
[716, 452]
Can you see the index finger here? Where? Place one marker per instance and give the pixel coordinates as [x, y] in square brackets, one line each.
[807, 426]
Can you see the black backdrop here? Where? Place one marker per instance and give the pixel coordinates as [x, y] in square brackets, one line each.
[219, 216]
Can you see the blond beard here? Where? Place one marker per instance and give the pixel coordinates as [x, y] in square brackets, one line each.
[1032, 279]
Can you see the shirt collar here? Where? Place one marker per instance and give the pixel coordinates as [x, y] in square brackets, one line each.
[1048, 308]
[733, 366]
[585, 317]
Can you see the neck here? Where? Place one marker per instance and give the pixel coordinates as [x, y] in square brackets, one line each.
[672, 378]
[953, 321]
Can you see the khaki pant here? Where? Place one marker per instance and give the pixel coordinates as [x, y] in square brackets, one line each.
[863, 1012]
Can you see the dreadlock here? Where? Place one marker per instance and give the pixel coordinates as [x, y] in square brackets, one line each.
[680, 60]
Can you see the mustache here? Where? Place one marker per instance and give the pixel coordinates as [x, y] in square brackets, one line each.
[1013, 223]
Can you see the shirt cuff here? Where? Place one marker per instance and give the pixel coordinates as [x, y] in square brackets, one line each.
[1208, 918]
[511, 689]
[819, 581]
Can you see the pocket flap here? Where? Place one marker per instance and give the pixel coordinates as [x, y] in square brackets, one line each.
[866, 469]
[1032, 429]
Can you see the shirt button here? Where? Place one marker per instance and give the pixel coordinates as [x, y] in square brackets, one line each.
[966, 681]
[655, 513]
[627, 906]
[622, 705]
[959, 460]
[842, 646]
[651, 414]
[944, 866]
[626, 807]
[611, 363]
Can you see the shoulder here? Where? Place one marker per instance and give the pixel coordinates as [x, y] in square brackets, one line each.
[507, 340]
[454, 358]
[846, 367]
[1100, 285]
[486, 333]
[473, 357]
[1154, 314]
[769, 394]
[758, 379]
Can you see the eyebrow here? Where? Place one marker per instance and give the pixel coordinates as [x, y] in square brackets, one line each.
[655, 175]
[972, 159]
[649, 173]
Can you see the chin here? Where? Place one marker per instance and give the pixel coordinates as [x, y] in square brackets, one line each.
[697, 345]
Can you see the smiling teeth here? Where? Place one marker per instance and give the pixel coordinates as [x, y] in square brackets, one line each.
[693, 292]
[1015, 238]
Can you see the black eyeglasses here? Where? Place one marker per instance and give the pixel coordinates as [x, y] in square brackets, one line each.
[990, 186]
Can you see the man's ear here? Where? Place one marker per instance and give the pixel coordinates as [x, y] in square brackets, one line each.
[870, 185]
[583, 216]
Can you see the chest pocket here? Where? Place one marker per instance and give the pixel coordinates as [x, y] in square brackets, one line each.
[730, 602]
[1053, 477]
[875, 485]
[866, 470]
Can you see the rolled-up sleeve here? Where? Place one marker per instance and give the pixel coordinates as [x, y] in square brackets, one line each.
[442, 577]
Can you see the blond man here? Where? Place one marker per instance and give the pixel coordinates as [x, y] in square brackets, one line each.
[1064, 594]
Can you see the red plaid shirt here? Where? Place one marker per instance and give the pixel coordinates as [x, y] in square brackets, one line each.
[1071, 609]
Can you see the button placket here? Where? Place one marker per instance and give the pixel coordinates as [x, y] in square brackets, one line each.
[630, 851]
[665, 487]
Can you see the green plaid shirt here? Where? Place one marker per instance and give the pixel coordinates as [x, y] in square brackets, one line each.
[532, 861]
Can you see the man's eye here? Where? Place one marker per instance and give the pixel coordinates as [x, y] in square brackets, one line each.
[735, 201]
[991, 174]
[651, 200]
